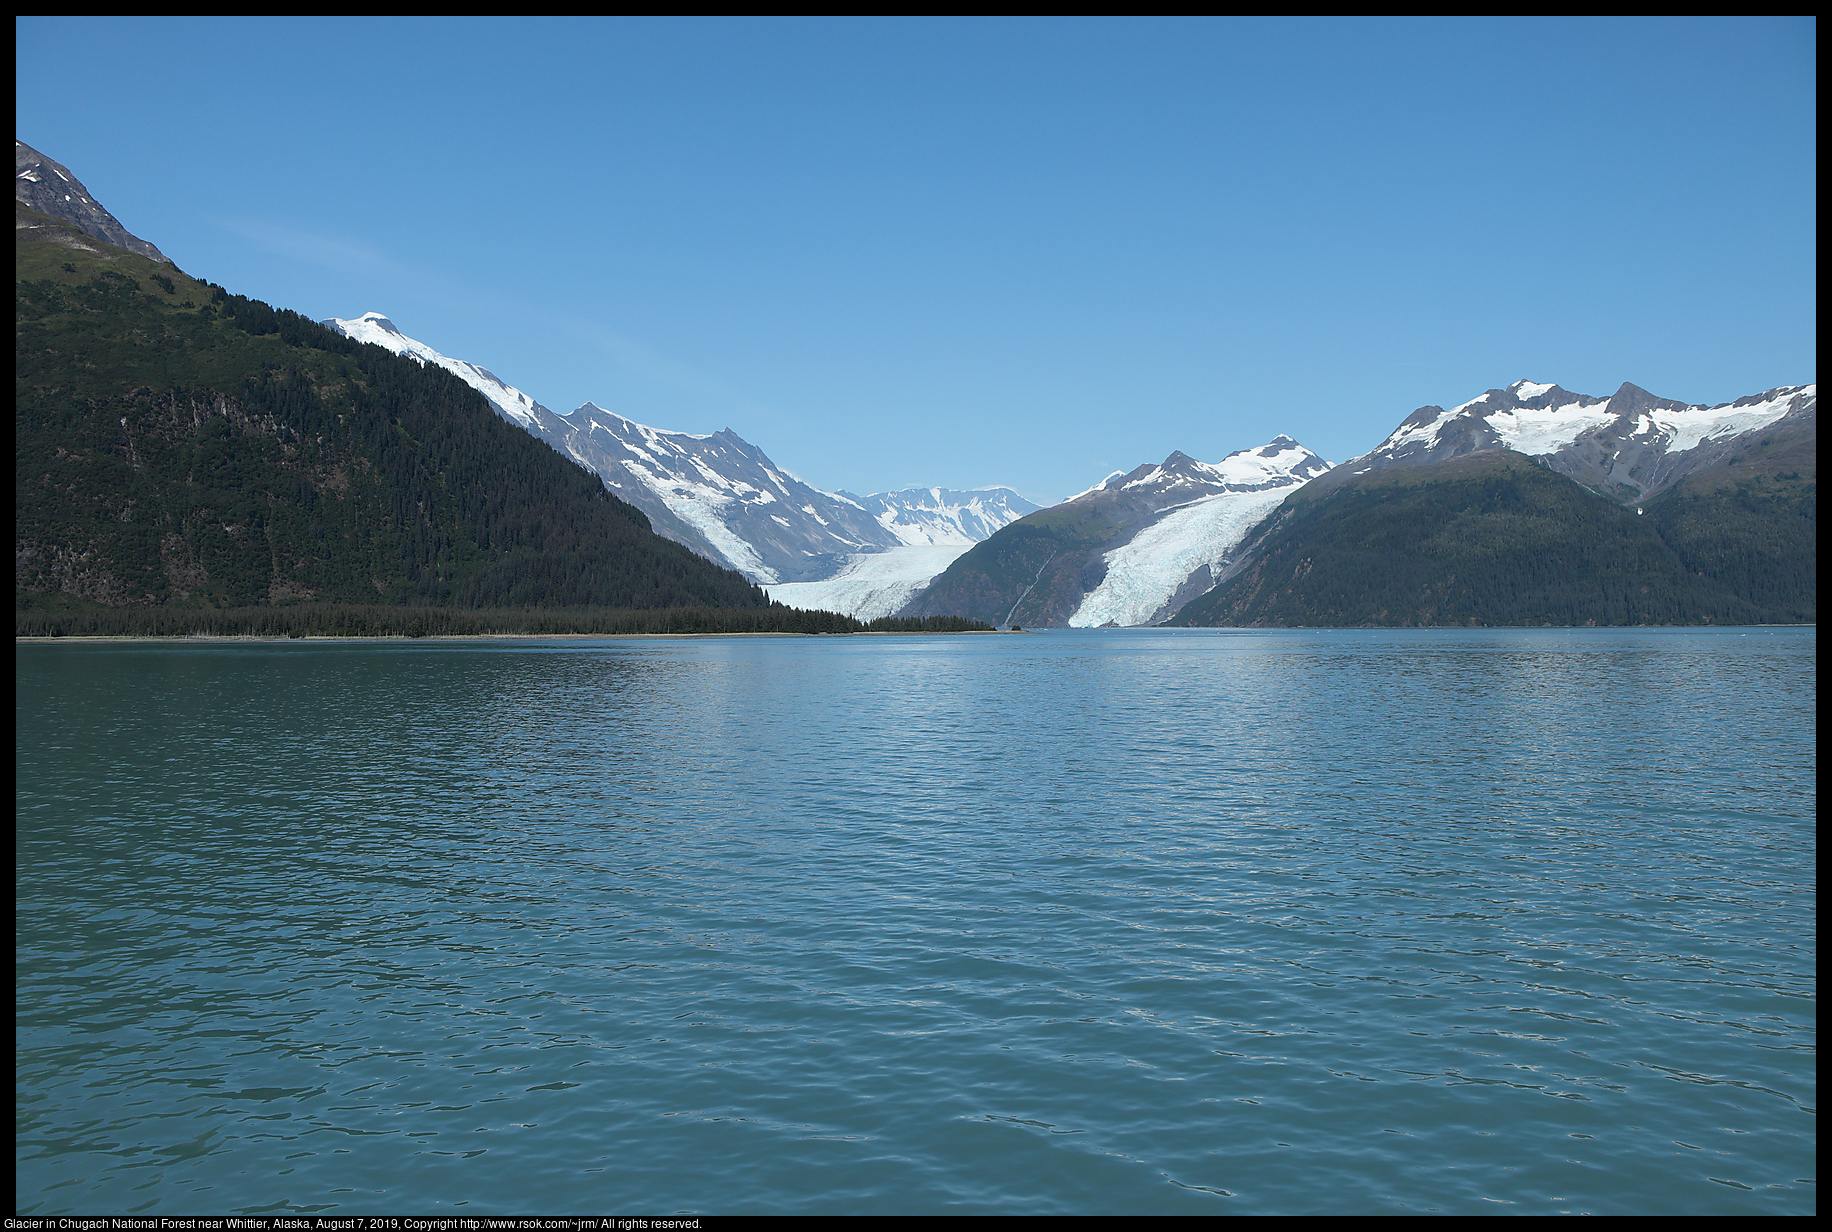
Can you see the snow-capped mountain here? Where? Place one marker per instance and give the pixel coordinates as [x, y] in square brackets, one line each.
[941, 517]
[1629, 445]
[723, 497]
[511, 403]
[1129, 551]
[1204, 512]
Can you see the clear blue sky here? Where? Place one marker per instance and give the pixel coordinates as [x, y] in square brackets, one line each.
[975, 252]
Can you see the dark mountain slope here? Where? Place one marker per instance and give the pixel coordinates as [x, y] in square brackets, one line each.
[1033, 572]
[47, 186]
[1493, 538]
[176, 444]
[1749, 528]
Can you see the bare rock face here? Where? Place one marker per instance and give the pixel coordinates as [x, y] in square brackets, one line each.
[47, 186]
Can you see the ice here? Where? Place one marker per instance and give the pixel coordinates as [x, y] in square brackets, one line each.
[1537, 432]
[1143, 575]
[1695, 425]
[873, 584]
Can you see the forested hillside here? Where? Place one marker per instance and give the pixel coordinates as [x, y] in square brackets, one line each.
[1496, 539]
[180, 445]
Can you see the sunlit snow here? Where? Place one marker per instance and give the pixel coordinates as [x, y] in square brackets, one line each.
[873, 584]
[1545, 431]
[1144, 574]
[1695, 425]
[512, 402]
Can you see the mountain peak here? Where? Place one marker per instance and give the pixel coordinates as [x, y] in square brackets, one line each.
[1632, 399]
[46, 185]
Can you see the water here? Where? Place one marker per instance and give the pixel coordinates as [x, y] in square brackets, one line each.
[1126, 921]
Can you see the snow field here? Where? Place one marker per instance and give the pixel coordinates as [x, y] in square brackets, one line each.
[1143, 575]
[873, 584]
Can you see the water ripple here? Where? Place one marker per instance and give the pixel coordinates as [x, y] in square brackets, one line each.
[1129, 921]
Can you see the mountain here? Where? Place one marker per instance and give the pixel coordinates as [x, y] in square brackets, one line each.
[1128, 551]
[936, 527]
[1532, 505]
[723, 497]
[47, 186]
[1627, 446]
[177, 445]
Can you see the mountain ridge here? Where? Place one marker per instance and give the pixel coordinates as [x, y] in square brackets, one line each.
[178, 446]
[46, 185]
[1711, 511]
[1629, 446]
[721, 495]
[1128, 551]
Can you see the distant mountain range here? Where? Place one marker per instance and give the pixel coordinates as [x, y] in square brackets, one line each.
[724, 498]
[210, 449]
[1156, 544]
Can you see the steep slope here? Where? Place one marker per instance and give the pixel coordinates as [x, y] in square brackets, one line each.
[47, 186]
[1128, 551]
[1749, 527]
[511, 403]
[176, 444]
[723, 497]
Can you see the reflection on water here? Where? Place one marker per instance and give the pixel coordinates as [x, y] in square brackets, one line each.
[1154, 921]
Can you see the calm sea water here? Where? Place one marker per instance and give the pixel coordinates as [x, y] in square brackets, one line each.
[1154, 921]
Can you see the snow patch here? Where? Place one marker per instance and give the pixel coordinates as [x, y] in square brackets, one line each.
[1692, 427]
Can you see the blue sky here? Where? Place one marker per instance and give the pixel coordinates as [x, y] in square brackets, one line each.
[976, 252]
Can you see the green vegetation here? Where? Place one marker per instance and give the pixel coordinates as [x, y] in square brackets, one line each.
[194, 462]
[1749, 530]
[180, 445]
[1495, 539]
[1035, 570]
[375, 620]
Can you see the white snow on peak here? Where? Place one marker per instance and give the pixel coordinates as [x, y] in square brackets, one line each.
[937, 517]
[1543, 431]
[1101, 486]
[1692, 427]
[510, 402]
[1549, 429]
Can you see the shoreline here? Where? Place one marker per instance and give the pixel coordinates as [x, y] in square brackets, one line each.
[472, 637]
[91, 639]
